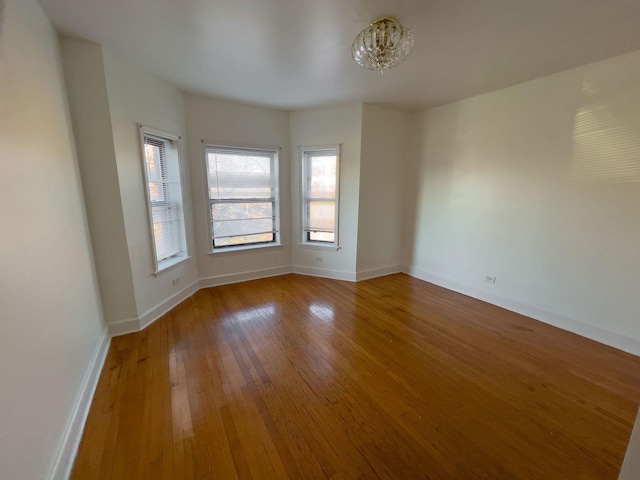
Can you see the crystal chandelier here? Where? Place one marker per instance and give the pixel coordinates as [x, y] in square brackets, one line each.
[382, 45]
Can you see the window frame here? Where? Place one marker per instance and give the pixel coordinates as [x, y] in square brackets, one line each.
[275, 200]
[183, 253]
[304, 198]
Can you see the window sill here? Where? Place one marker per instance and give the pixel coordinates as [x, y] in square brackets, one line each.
[319, 246]
[169, 264]
[245, 249]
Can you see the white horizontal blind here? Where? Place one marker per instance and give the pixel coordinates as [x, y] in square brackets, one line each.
[164, 199]
[320, 195]
[242, 196]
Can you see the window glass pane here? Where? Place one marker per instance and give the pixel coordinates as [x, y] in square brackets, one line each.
[153, 157]
[322, 215]
[227, 228]
[240, 175]
[235, 175]
[322, 237]
[163, 185]
[320, 184]
[229, 219]
[156, 191]
[244, 240]
[165, 231]
[230, 211]
[323, 176]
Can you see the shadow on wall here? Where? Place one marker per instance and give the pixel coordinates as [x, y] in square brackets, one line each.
[426, 171]
[606, 140]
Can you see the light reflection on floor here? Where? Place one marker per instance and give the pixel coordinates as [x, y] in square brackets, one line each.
[322, 311]
[260, 312]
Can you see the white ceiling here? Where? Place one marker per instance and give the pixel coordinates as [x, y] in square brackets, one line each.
[292, 54]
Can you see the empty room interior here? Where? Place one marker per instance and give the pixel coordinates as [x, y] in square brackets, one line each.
[341, 239]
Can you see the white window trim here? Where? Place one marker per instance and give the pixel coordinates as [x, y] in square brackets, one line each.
[245, 249]
[159, 267]
[171, 262]
[330, 247]
[205, 179]
[335, 246]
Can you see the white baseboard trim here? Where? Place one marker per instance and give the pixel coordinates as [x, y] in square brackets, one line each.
[124, 327]
[72, 436]
[598, 334]
[154, 313]
[324, 273]
[378, 272]
[243, 276]
[71, 440]
[132, 325]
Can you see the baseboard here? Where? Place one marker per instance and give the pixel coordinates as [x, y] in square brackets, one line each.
[71, 440]
[324, 273]
[243, 276]
[598, 334]
[73, 434]
[154, 313]
[124, 327]
[378, 272]
[132, 325]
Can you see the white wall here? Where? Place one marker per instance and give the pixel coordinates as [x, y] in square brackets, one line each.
[631, 465]
[137, 97]
[49, 305]
[232, 123]
[382, 190]
[89, 105]
[108, 99]
[329, 126]
[538, 185]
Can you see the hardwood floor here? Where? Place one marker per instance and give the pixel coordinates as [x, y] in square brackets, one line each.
[392, 378]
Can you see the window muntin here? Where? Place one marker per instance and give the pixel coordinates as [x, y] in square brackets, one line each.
[320, 169]
[243, 202]
[164, 197]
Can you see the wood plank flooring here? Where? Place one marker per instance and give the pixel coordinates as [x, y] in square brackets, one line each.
[298, 377]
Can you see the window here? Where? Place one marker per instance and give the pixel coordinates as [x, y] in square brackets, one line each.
[320, 190]
[164, 196]
[243, 197]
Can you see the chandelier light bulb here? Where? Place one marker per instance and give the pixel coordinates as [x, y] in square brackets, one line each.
[382, 45]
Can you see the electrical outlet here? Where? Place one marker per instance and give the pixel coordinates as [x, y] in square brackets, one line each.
[318, 259]
[489, 279]
[176, 281]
